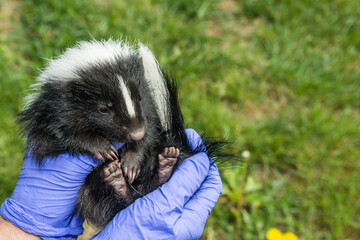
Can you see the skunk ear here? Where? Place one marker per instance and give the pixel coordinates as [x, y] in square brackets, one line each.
[157, 84]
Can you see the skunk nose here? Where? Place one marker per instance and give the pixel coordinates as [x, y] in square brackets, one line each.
[137, 134]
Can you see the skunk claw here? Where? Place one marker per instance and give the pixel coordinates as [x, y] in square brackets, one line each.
[131, 177]
[114, 150]
[99, 156]
[126, 171]
[113, 155]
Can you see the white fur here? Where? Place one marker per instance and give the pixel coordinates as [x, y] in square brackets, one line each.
[156, 81]
[126, 94]
[82, 56]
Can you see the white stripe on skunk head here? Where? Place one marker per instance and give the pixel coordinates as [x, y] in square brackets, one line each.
[156, 82]
[126, 94]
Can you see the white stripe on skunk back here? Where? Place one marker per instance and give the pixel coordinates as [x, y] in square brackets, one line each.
[85, 55]
[156, 81]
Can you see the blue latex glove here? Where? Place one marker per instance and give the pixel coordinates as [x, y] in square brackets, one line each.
[44, 199]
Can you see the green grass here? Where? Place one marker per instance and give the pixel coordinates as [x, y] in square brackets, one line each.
[279, 77]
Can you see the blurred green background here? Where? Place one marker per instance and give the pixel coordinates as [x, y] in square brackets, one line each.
[282, 78]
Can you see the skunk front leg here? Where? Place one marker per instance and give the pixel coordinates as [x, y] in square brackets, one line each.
[131, 164]
[132, 157]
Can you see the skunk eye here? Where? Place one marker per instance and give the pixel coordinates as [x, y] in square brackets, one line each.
[104, 110]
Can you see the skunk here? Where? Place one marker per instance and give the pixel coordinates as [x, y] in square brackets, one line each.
[97, 93]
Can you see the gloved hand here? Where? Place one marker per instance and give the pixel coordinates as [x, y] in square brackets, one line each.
[44, 198]
[176, 210]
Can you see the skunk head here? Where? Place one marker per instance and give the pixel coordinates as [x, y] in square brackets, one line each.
[93, 92]
[105, 100]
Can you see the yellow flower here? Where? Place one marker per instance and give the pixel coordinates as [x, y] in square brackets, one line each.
[289, 236]
[275, 234]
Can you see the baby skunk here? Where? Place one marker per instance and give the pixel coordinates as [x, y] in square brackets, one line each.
[102, 92]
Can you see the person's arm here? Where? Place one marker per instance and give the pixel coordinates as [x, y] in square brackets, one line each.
[10, 231]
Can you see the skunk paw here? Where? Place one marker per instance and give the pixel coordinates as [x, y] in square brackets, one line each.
[167, 159]
[131, 165]
[107, 152]
[113, 176]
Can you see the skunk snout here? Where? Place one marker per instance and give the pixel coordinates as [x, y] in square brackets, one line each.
[138, 134]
